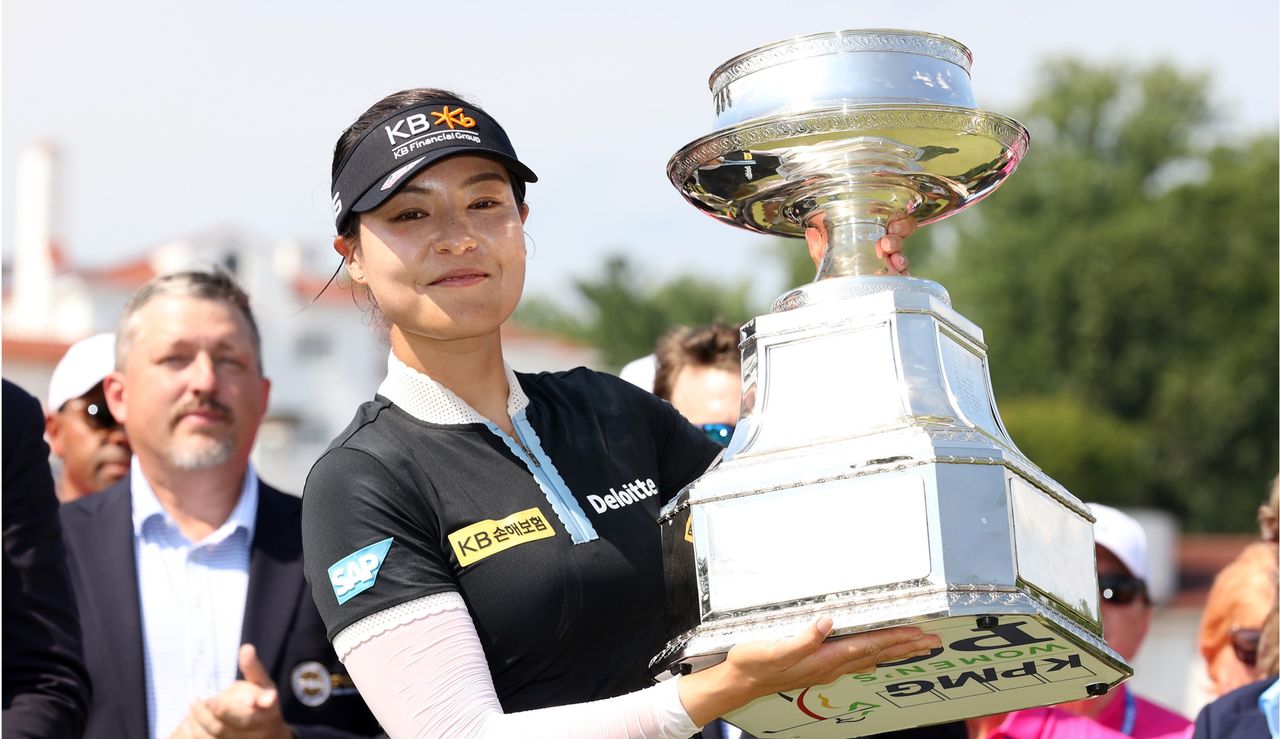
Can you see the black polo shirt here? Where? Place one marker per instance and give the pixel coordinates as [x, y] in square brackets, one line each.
[551, 539]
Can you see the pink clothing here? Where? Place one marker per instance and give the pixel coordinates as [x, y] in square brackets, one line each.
[1150, 720]
[1051, 723]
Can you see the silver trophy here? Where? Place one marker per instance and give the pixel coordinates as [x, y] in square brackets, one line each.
[871, 478]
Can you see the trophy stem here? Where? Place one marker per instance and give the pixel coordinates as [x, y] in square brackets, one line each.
[851, 248]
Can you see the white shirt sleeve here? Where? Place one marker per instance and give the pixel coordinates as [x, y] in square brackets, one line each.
[422, 671]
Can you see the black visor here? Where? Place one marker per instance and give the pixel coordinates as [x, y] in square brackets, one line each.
[391, 152]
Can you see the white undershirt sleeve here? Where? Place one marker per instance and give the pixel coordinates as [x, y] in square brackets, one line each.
[422, 671]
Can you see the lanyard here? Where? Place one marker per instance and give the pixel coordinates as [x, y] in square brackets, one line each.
[1130, 713]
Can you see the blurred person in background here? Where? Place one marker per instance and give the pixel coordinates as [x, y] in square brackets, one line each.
[88, 441]
[1123, 571]
[1238, 603]
[46, 687]
[699, 371]
[1252, 710]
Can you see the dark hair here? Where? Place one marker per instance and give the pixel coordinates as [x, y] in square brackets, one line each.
[379, 111]
[714, 345]
[214, 284]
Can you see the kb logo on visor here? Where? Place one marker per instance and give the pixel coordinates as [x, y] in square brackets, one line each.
[410, 126]
[450, 117]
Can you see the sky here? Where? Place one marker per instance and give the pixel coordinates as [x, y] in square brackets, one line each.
[174, 117]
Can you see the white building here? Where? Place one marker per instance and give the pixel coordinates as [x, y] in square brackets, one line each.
[322, 357]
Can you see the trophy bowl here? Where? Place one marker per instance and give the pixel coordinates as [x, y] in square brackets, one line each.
[870, 478]
[862, 126]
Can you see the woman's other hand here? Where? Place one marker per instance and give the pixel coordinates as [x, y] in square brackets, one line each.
[888, 248]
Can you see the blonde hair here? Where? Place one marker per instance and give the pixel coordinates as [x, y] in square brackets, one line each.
[1241, 597]
[1267, 514]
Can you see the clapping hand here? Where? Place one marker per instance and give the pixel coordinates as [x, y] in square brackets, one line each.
[247, 709]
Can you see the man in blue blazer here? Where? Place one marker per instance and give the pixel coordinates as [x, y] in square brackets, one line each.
[188, 573]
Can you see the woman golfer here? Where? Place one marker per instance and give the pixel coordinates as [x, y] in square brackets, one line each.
[465, 576]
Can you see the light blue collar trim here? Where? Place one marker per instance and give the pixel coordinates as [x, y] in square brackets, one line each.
[427, 400]
[1269, 702]
[553, 486]
[147, 506]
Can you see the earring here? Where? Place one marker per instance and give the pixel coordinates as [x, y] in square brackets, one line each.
[530, 246]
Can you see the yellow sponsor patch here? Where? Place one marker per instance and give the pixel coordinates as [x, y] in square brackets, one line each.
[486, 538]
[688, 529]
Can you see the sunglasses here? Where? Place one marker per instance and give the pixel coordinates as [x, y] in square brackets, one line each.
[92, 407]
[1121, 589]
[720, 433]
[1244, 642]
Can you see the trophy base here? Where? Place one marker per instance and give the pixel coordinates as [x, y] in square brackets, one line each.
[967, 549]
[902, 501]
[1006, 654]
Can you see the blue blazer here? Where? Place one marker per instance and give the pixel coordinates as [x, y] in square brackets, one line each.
[1235, 715]
[280, 619]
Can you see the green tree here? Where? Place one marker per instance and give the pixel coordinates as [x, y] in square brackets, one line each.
[1132, 269]
[1085, 448]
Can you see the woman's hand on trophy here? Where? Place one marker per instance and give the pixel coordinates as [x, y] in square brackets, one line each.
[888, 247]
[755, 669]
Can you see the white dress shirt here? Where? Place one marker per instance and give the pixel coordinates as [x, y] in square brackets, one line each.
[192, 597]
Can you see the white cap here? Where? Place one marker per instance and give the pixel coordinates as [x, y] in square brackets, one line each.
[1121, 534]
[640, 372]
[84, 365]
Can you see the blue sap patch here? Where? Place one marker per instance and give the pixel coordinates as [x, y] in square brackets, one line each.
[356, 572]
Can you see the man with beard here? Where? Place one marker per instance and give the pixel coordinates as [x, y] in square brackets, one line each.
[188, 572]
[87, 440]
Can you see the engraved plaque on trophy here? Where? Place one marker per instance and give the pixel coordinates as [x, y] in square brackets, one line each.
[871, 478]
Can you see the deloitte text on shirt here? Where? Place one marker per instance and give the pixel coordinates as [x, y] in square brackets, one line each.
[631, 493]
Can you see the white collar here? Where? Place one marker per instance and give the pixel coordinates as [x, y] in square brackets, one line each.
[147, 505]
[427, 400]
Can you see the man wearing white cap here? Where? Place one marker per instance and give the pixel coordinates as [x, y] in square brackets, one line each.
[90, 443]
[1121, 547]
